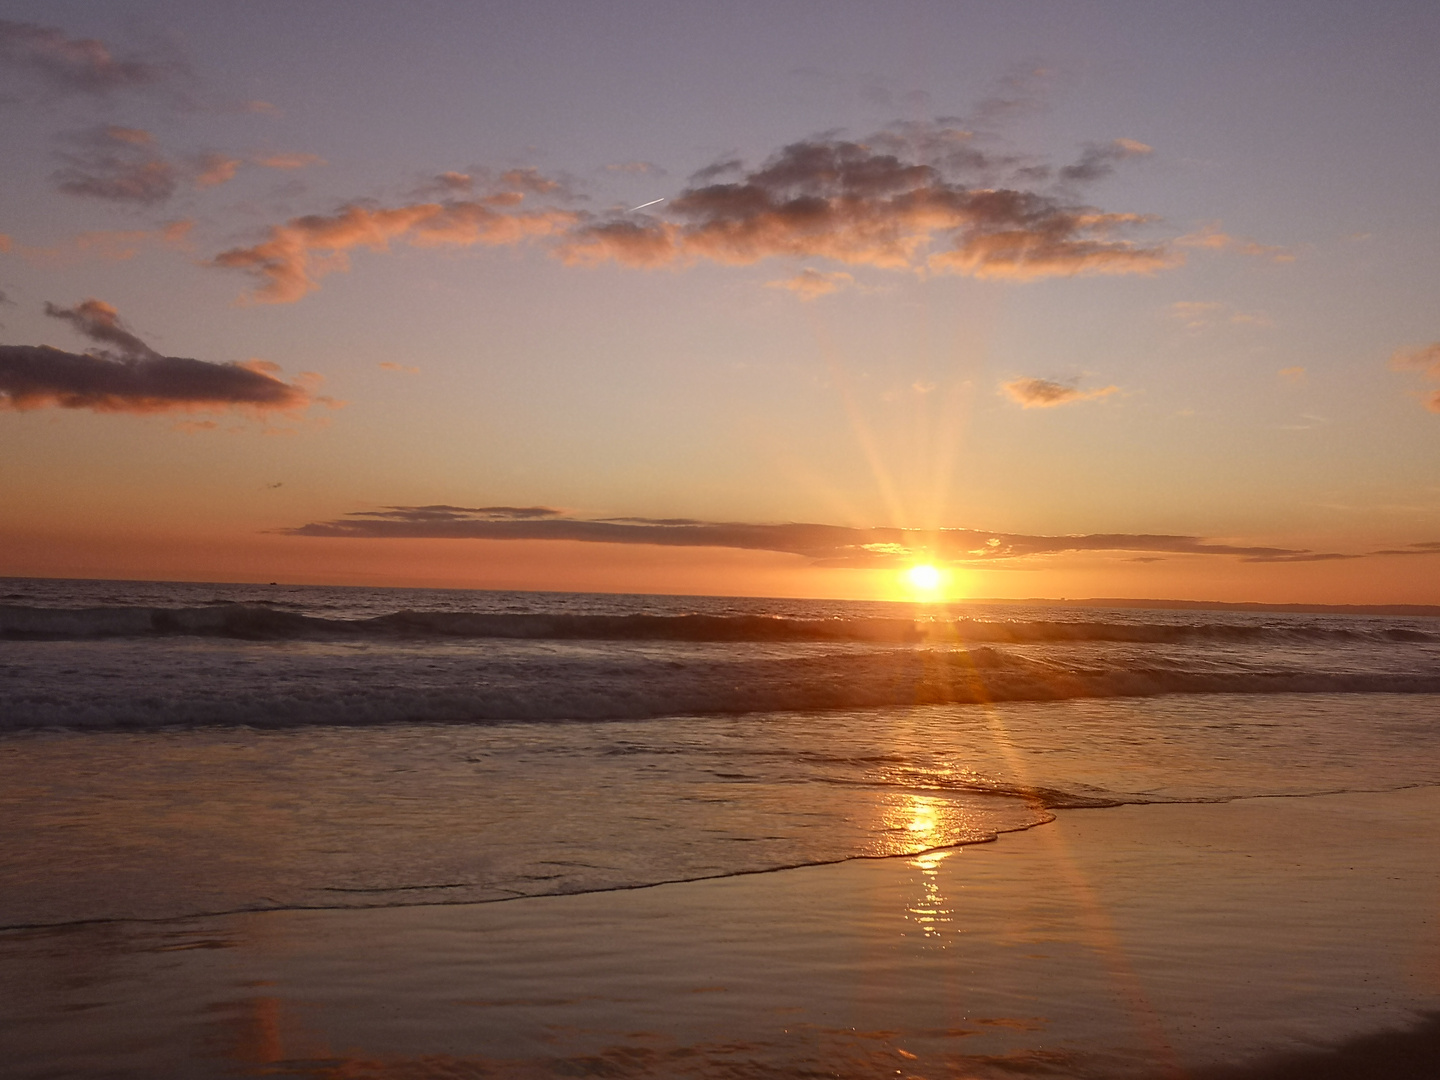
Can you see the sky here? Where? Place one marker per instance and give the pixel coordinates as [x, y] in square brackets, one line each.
[1064, 299]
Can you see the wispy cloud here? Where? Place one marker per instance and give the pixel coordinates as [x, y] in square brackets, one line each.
[124, 164]
[1031, 393]
[1425, 359]
[289, 161]
[120, 164]
[74, 65]
[404, 369]
[811, 284]
[834, 545]
[1427, 547]
[214, 169]
[636, 168]
[1197, 315]
[1212, 238]
[110, 245]
[127, 375]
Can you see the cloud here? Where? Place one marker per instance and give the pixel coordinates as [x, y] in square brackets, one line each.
[833, 545]
[636, 168]
[1204, 314]
[884, 202]
[73, 65]
[289, 161]
[134, 378]
[1099, 160]
[211, 170]
[809, 284]
[100, 322]
[125, 164]
[1427, 547]
[1195, 314]
[294, 256]
[1211, 238]
[1426, 359]
[111, 245]
[1294, 375]
[117, 163]
[1031, 393]
[407, 369]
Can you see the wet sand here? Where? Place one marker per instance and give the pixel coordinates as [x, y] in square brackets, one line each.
[1237, 940]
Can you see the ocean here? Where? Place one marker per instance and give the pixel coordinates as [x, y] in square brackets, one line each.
[178, 755]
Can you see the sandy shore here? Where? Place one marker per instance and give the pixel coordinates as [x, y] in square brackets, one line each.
[1167, 940]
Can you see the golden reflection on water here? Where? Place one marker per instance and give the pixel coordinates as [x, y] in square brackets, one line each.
[914, 823]
[930, 912]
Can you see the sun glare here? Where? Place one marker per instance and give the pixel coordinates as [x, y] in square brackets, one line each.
[924, 579]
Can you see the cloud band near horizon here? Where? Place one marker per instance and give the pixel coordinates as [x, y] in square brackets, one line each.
[825, 545]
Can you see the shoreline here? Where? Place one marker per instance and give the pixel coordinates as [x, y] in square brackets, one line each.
[1055, 812]
[1215, 937]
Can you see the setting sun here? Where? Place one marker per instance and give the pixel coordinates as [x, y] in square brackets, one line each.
[924, 578]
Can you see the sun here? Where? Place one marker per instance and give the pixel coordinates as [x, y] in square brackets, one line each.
[924, 578]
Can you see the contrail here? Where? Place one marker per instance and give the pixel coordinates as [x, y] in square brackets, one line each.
[642, 206]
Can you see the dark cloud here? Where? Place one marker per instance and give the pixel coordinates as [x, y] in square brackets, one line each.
[125, 164]
[117, 163]
[100, 322]
[134, 377]
[1303, 556]
[1100, 160]
[1428, 547]
[73, 65]
[910, 197]
[445, 512]
[833, 545]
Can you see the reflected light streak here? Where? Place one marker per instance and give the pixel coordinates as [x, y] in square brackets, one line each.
[1093, 917]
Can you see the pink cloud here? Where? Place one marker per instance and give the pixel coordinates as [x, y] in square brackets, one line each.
[811, 284]
[290, 261]
[1210, 237]
[289, 161]
[215, 169]
[1425, 359]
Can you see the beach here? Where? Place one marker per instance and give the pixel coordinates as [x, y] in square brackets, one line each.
[1134, 942]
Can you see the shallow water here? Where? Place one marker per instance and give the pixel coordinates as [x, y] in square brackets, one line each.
[1136, 942]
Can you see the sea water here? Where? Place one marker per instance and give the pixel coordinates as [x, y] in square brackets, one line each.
[321, 832]
[172, 749]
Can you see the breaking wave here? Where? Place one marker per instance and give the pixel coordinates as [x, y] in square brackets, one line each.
[256, 622]
[384, 686]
